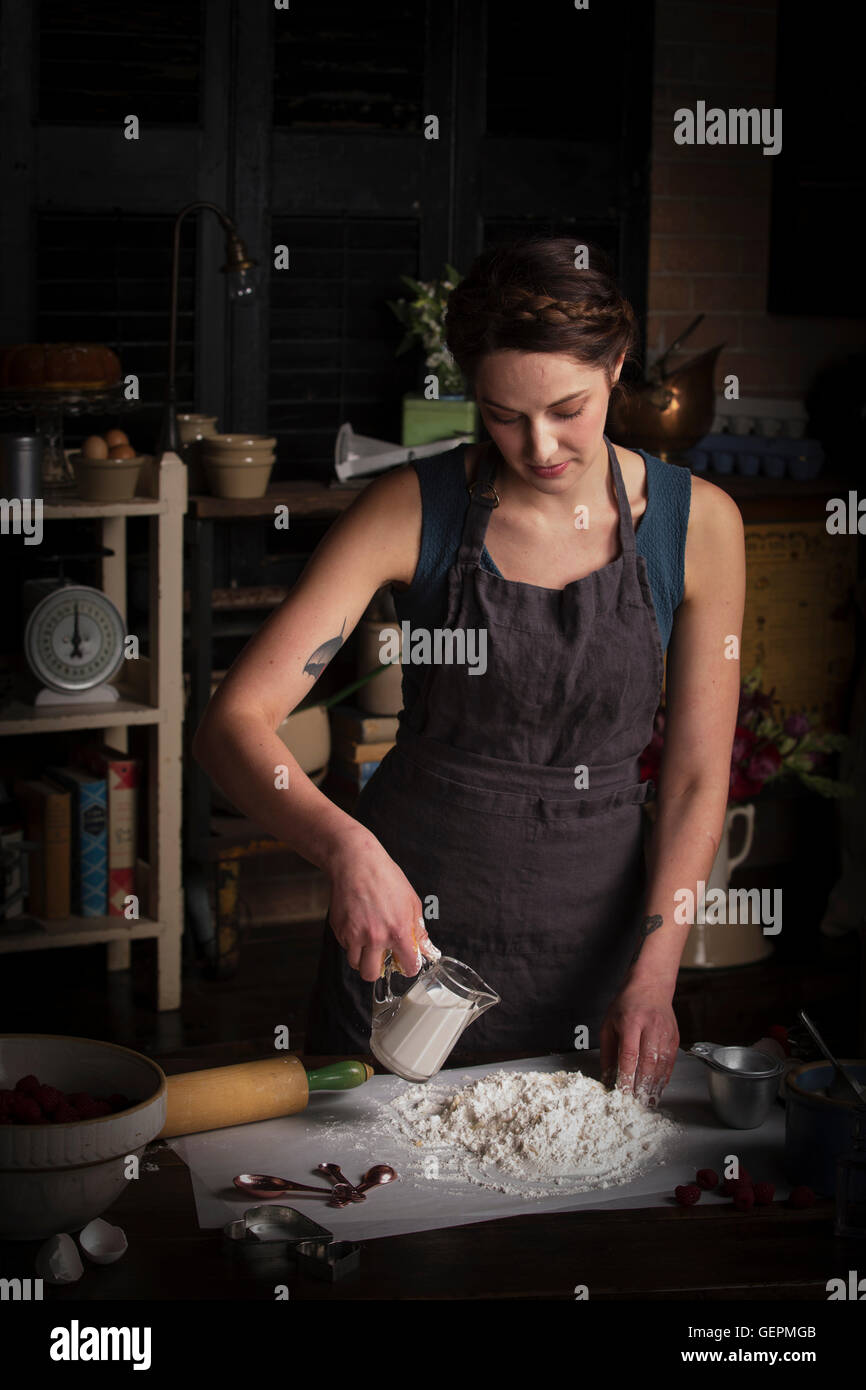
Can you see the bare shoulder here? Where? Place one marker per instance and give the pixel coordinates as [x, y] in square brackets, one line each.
[715, 543]
[387, 514]
[712, 510]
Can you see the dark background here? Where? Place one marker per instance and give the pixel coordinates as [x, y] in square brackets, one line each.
[306, 125]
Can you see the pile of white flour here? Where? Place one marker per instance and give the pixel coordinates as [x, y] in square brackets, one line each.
[554, 1132]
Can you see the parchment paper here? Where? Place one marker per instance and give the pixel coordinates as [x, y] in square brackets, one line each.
[344, 1127]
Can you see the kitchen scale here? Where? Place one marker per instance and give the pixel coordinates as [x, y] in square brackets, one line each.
[73, 641]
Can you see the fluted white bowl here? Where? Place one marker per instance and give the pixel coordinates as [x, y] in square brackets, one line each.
[57, 1177]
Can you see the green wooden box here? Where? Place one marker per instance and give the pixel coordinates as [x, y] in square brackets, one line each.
[426, 421]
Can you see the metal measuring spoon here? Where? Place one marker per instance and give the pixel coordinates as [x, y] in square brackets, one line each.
[848, 1081]
[263, 1185]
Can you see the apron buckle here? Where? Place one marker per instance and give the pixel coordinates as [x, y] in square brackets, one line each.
[485, 492]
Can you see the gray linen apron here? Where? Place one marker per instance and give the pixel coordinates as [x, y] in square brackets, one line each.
[540, 883]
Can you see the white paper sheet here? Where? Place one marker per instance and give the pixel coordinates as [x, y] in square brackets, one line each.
[329, 1129]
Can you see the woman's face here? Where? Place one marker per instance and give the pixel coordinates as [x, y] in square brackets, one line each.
[545, 413]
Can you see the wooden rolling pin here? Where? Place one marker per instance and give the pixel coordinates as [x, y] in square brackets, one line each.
[220, 1096]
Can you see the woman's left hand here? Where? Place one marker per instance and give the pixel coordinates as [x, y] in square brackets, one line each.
[639, 1039]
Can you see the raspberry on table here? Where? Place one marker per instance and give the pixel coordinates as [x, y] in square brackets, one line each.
[707, 1178]
[801, 1197]
[744, 1200]
[764, 1193]
[780, 1035]
[687, 1194]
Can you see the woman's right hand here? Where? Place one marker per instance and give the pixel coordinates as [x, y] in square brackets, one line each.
[375, 909]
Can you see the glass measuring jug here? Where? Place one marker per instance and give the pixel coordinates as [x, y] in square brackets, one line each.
[414, 1032]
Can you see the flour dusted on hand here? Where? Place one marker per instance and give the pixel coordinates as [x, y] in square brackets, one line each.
[561, 1126]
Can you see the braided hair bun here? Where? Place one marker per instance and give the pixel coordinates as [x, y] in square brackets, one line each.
[529, 296]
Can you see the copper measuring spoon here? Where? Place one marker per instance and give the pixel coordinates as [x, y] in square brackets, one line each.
[263, 1185]
[377, 1176]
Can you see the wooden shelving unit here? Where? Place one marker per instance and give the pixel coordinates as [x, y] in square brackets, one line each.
[151, 695]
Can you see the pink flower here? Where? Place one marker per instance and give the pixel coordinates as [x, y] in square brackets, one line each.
[796, 725]
[764, 763]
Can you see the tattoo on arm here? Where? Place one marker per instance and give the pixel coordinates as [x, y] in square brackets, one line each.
[648, 925]
[318, 660]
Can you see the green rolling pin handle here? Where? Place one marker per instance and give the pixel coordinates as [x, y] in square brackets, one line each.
[339, 1076]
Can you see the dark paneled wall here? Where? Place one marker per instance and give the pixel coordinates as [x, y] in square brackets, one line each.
[307, 124]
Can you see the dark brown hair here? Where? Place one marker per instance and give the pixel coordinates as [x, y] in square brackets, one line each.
[528, 296]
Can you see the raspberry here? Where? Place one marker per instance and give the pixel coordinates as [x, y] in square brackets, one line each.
[25, 1110]
[740, 1188]
[687, 1194]
[119, 1102]
[780, 1035]
[707, 1178]
[744, 1200]
[728, 1184]
[764, 1193]
[64, 1114]
[79, 1098]
[801, 1197]
[27, 1084]
[88, 1108]
[49, 1098]
[99, 1107]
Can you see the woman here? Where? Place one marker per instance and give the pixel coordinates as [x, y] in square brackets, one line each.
[509, 811]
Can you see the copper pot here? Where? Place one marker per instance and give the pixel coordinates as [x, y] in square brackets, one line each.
[670, 416]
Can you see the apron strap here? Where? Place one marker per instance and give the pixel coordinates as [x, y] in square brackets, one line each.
[626, 525]
[483, 497]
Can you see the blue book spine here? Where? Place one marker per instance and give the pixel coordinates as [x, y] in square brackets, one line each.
[93, 847]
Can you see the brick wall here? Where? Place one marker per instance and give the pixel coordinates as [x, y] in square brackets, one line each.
[710, 210]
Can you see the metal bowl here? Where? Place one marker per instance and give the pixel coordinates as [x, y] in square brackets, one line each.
[669, 417]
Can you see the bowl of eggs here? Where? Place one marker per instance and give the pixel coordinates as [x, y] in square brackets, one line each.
[107, 468]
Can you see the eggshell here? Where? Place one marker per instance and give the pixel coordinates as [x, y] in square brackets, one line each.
[113, 437]
[121, 451]
[58, 1261]
[94, 447]
[101, 1242]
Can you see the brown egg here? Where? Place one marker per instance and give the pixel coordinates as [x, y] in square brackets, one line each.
[94, 447]
[121, 451]
[113, 437]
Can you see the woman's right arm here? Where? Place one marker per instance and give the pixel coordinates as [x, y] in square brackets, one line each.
[375, 542]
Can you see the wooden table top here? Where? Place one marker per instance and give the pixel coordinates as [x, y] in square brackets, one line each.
[659, 1253]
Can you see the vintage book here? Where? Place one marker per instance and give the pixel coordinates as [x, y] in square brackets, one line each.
[357, 774]
[122, 775]
[353, 725]
[48, 811]
[89, 873]
[12, 872]
[351, 751]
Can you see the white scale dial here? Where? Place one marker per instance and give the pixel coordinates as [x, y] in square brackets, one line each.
[74, 639]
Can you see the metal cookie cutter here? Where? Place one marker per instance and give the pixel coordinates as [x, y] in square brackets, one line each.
[269, 1225]
[328, 1260]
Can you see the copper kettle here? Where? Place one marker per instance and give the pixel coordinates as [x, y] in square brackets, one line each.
[669, 411]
